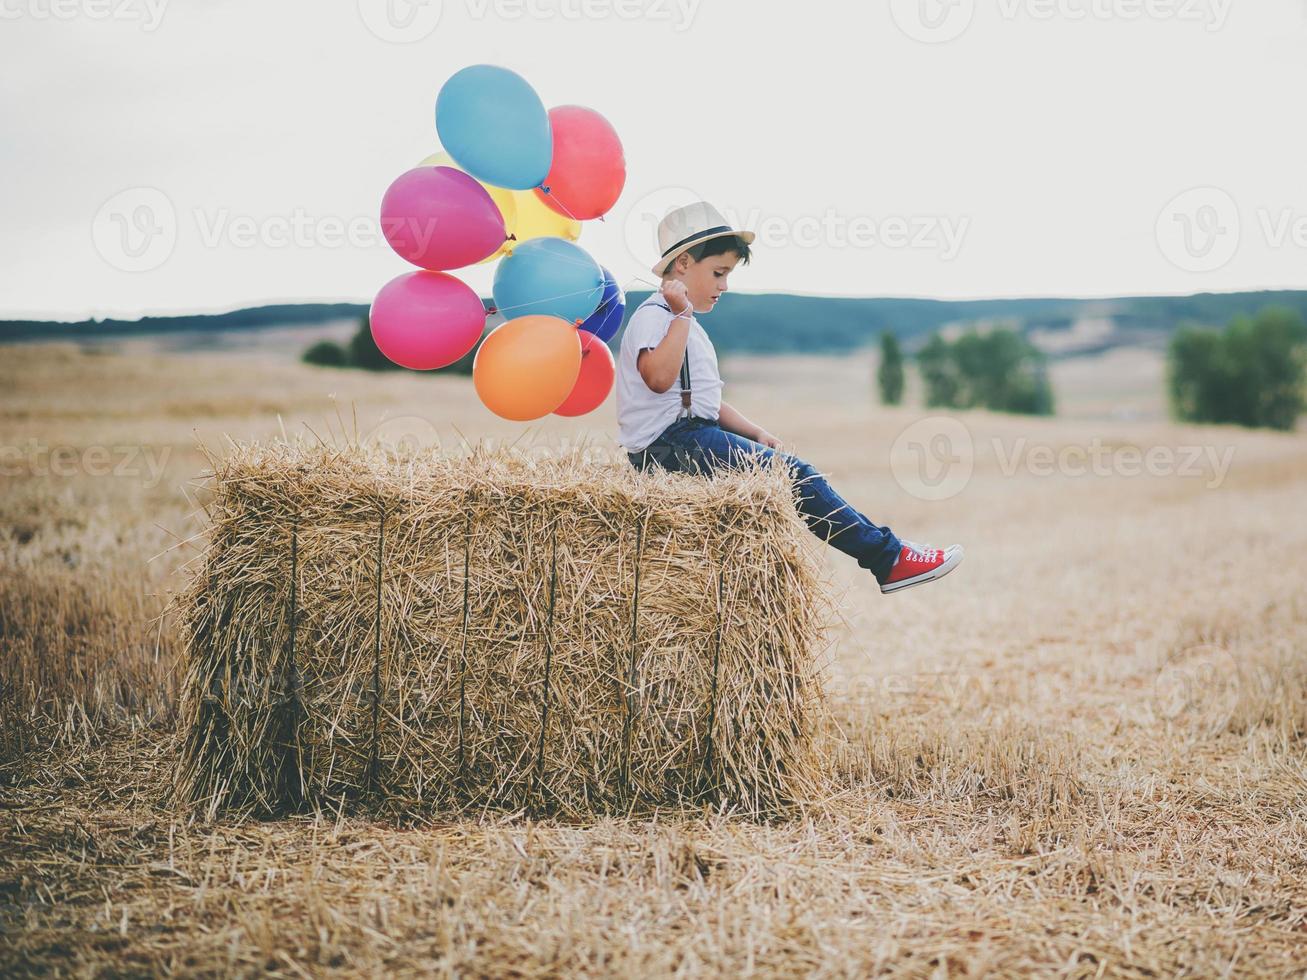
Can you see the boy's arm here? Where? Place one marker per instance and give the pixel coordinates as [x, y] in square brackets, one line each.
[732, 421]
[659, 366]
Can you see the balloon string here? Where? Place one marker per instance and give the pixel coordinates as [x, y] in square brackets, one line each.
[546, 299]
[580, 292]
[551, 194]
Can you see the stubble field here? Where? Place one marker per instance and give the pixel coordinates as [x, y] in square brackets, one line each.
[1084, 753]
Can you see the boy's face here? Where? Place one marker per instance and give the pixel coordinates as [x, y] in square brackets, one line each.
[706, 279]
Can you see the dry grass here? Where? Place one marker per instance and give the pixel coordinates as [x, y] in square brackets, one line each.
[1082, 754]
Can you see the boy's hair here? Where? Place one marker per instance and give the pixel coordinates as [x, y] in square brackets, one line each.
[720, 246]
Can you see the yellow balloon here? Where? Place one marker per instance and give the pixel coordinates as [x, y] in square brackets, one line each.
[504, 199]
[535, 219]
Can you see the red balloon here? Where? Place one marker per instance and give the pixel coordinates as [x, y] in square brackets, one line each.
[589, 168]
[595, 380]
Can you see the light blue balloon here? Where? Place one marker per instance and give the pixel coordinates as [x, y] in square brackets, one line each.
[493, 124]
[550, 277]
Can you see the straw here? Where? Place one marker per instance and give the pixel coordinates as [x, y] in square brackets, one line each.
[417, 632]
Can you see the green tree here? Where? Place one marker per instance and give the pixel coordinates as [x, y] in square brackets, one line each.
[890, 372]
[364, 352]
[1251, 373]
[999, 370]
[327, 353]
[939, 373]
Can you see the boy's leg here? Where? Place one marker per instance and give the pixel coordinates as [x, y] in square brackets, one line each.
[708, 447]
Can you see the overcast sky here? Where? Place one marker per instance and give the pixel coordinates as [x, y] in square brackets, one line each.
[163, 157]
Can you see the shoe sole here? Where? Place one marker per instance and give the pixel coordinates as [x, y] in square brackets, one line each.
[952, 558]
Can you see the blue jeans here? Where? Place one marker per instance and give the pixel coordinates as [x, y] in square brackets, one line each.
[691, 445]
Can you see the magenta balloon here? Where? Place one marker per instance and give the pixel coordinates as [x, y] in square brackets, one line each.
[426, 320]
[440, 218]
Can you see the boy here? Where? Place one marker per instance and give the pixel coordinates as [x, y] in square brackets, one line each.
[687, 427]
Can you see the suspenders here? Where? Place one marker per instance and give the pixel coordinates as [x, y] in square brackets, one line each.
[685, 380]
[685, 373]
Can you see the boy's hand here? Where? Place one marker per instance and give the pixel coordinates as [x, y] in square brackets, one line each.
[767, 439]
[678, 298]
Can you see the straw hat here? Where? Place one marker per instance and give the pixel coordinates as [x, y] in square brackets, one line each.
[688, 226]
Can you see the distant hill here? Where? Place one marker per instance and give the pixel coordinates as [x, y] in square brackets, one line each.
[783, 323]
[253, 318]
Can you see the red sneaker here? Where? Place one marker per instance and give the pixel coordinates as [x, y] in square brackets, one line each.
[917, 565]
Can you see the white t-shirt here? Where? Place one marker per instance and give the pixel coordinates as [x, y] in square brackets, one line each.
[642, 413]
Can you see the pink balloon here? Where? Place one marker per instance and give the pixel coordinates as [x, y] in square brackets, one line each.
[595, 380]
[426, 320]
[440, 218]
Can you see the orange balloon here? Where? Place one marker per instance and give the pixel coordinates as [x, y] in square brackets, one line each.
[525, 368]
[595, 380]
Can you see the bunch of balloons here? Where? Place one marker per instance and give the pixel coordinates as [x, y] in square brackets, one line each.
[513, 184]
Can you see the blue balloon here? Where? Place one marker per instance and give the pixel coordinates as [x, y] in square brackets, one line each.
[605, 321]
[550, 277]
[493, 124]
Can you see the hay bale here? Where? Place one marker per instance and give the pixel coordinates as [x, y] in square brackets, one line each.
[425, 632]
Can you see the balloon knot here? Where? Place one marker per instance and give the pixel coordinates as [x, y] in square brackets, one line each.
[545, 188]
[492, 308]
[511, 238]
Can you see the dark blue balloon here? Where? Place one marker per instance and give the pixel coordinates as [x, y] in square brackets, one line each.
[607, 319]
